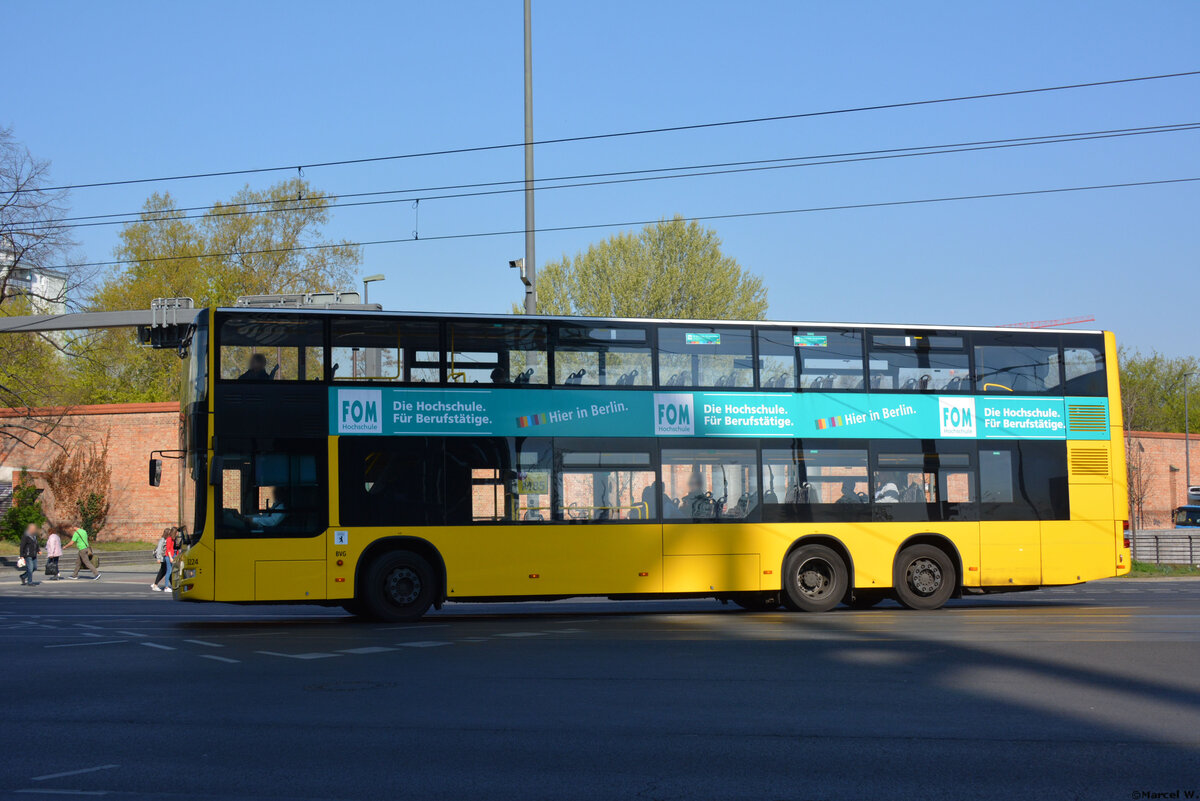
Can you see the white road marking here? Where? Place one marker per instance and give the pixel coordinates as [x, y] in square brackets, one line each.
[523, 634]
[562, 631]
[72, 773]
[131, 633]
[88, 626]
[156, 645]
[474, 639]
[90, 634]
[89, 642]
[298, 656]
[219, 658]
[205, 642]
[423, 644]
[374, 649]
[48, 791]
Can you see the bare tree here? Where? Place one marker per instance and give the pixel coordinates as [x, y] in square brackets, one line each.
[35, 251]
[1140, 478]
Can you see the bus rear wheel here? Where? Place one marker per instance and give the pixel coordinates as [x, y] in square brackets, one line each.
[924, 577]
[814, 579]
[400, 586]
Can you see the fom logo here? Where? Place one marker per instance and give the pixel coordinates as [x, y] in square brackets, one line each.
[674, 414]
[358, 411]
[956, 417]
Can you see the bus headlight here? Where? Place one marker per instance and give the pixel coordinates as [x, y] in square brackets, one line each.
[189, 572]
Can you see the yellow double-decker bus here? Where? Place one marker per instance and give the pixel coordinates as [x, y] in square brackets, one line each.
[390, 462]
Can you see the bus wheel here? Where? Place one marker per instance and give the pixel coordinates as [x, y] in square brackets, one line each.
[814, 579]
[865, 599]
[924, 577]
[400, 586]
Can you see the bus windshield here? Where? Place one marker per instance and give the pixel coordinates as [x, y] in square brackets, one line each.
[193, 432]
[1187, 517]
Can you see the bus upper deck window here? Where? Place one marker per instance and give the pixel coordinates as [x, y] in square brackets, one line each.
[1083, 365]
[1021, 362]
[705, 356]
[272, 348]
[497, 353]
[919, 362]
[602, 356]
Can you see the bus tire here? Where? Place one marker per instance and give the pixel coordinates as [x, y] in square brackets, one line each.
[400, 586]
[924, 577]
[814, 579]
[865, 599]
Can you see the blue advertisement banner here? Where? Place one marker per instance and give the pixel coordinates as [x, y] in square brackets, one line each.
[512, 412]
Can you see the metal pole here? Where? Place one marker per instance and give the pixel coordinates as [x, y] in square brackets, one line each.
[1187, 442]
[530, 260]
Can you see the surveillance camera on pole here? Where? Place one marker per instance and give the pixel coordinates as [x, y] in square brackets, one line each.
[530, 298]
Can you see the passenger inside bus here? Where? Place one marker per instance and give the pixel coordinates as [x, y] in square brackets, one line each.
[257, 370]
[499, 376]
[888, 491]
[849, 495]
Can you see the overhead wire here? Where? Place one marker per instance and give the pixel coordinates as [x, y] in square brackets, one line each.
[627, 223]
[617, 134]
[280, 205]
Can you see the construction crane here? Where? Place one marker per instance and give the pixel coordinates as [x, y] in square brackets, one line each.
[1087, 318]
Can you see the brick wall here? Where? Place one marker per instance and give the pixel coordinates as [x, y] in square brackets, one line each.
[1159, 459]
[137, 510]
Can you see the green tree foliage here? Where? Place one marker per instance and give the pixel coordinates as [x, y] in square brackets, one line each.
[1152, 391]
[672, 269]
[255, 256]
[26, 509]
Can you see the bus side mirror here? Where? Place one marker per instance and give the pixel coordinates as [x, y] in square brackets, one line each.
[155, 472]
[215, 470]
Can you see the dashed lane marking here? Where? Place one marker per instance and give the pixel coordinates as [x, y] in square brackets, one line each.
[219, 658]
[48, 791]
[373, 649]
[89, 642]
[159, 647]
[205, 643]
[298, 656]
[424, 644]
[131, 633]
[72, 773]
[523, 634]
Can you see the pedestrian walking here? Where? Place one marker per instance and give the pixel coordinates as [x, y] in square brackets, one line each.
[29, 553]
[80, 540]
[53, 552]
[164, 551]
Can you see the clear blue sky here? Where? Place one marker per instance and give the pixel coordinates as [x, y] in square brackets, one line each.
[123, 89]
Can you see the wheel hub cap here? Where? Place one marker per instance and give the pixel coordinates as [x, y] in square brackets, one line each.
[814, 577]
[924, 576]
[403, 586]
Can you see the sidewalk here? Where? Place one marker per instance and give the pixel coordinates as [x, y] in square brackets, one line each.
[142, 573]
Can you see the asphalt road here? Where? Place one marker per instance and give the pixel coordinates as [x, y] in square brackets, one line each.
[1089, 692]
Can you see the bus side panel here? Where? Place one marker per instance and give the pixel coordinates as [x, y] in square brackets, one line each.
[1011, 553]
[1076, 550]
[730, 572]
[239, 577]
[551, 559]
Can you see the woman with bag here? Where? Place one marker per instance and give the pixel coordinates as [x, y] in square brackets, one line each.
[53, 552]
[28, 557]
